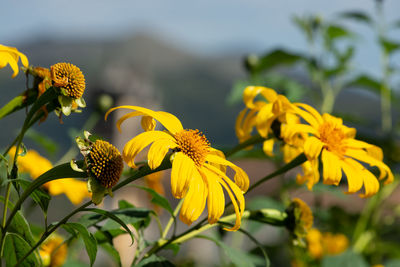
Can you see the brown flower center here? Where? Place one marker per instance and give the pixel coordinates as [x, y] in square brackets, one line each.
[193, 144]
[69, 78]
[105, 163]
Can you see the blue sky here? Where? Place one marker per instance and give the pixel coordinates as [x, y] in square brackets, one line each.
[206, 26]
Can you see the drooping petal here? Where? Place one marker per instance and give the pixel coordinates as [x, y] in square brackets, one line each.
[371, 184]
[170, 122]
[268, 147]
[332, 171]
[363, 156]
[220, 154]
[158, 150]
[215, 198]
[125, 117]
[195, 199]
[139, 142]
[309, 114]
[234, 193]
[252, 91]
[313, 147]
[354, 143]
[148, 123]
[241, 178]
[353, 171]
[181, 174]
[375, 152]
[288, 131]
[264, 120]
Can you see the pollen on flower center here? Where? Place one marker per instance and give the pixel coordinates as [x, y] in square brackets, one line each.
[193, 144]
[106, 163]
[332, 136]
[70, 78]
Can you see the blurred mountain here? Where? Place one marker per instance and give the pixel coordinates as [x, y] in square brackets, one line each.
[193, 87]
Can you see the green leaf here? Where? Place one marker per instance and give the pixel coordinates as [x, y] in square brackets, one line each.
[389, 46]
[19, 102]
[346, 259]
[112, 252]
[157, 199]
[274, 59]
[19, 225]
[123, 204]
[107, 236]
[334, 32]
[38, 195]
[112, 217]
[237, 257]
[154, 261]
[356, 15]
[365, 81]
[58, 172]
[174, 247]
[44, 141]
[138, 217]
[15, 247]
[88, 239]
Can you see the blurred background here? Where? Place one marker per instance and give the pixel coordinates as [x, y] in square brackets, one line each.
[193, 59]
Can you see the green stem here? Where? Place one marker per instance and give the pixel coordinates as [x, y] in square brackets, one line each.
[172, 219]
[251, 141]
[294, 163]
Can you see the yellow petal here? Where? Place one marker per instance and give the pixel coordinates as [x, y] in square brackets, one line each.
[195, 199]
[125, 117]
[234, 193]
[252, 91]
[264, 120]
[170, 122]
[139, 142]
[268, 147]
[353, 143]
[371, 184]
[75, 190]
[215, 198]
[241, 178]
[309, 114]
[181, 174]
[312, 147]
[148, 123]
[332, 172]
[220, 154]
[158, 150]
[353, 171]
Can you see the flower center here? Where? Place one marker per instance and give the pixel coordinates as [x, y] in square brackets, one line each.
[106, 163]
[69, 78]
[193, 144]
[332, 136]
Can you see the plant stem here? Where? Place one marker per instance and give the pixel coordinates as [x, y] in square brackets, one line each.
[251, 141]
[6, 205]
[172, 219]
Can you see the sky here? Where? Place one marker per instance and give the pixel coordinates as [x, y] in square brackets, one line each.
[205, 27]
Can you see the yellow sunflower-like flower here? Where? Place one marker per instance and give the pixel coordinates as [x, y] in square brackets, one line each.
[198, 170]
[300, 218]
[34, 164]
[53, 251]
[321, 244]
[265, 114]
[339, 151]
[11, 56]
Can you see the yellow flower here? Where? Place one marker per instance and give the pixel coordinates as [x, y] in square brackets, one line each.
[339, 150]
[69, 78]
[198, 170]
[321, 244]
[265, 115]
[10, 55]
[34, 164]
[53, 251]
[300, 218]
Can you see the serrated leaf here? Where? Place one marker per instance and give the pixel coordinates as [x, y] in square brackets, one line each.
[112, 217]
[154, 261]
[88, 239]
[356, 15]
[19, 225]
[15, 247]
[157, 199]
[346, 259]
[39, 196]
